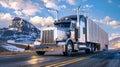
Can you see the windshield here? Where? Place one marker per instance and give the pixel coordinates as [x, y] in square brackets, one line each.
[63, 25]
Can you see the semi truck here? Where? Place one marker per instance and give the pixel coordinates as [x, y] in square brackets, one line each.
[71, 34]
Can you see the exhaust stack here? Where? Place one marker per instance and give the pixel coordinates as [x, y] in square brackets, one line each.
[56, 15]
[78, 17]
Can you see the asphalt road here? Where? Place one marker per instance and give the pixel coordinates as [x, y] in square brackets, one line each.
[109, 58]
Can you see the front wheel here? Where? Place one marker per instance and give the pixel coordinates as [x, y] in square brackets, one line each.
[40, 52]
[87, 51]
[68, 49]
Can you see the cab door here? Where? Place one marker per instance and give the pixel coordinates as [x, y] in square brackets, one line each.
[82, 30]
[75, 32]
[72, 28]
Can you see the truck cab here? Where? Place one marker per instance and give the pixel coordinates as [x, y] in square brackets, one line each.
[61, 37]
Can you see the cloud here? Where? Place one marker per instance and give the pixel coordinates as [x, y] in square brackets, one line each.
[5, 19]
[62, 6]
[109, 1]
[87, 6]
[18, 13]
[52, 12]
[114, 35]
[114, 24]
[41, 21]
[30, 8]
[21, 6]
[108, 21]
[107, 18]
[84, 7]
[12, 4]
[119, 6]
[71, 2]
[50, 4]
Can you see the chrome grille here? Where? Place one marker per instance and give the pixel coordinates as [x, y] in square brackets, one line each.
[48, 37]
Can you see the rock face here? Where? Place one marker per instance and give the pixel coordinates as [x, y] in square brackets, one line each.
[24, 27]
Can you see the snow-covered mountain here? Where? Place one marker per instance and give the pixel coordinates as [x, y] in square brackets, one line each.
[20, 30]
[115, 46]
[114, 41]
[22, 26]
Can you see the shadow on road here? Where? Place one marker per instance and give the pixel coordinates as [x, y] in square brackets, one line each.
[111, 54]
[108, 55]
[75, 54]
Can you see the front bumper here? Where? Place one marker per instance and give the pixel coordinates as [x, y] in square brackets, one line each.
[49, 48]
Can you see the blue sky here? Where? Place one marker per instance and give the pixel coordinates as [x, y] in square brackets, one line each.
[106, 13]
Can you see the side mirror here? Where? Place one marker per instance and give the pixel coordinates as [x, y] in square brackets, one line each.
[77, 25]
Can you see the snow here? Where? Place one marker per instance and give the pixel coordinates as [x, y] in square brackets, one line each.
[24, 40]
[19, 43]
[11, 41]
[37, 42]
[12, 28]
[12, 48]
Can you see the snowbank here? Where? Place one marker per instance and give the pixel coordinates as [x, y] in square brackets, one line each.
[10, 41]
[22, 44]
[12, 48]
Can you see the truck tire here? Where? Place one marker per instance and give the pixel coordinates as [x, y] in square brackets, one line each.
[68, 49]
[98, 47]
[40, 52]
[95, 48]
[87, 51]
[92, 48]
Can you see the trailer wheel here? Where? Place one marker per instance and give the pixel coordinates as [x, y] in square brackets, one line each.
[68, 49]
[98, 47]
[95, 48]
[92, 48]
[40, 52]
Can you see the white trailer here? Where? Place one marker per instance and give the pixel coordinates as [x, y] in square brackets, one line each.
[96, 35]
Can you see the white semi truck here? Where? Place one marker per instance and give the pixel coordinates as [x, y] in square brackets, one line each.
[72, 33]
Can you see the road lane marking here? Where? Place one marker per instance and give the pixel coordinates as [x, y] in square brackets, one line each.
[70, 61]
[67, 62]
[73, 61]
